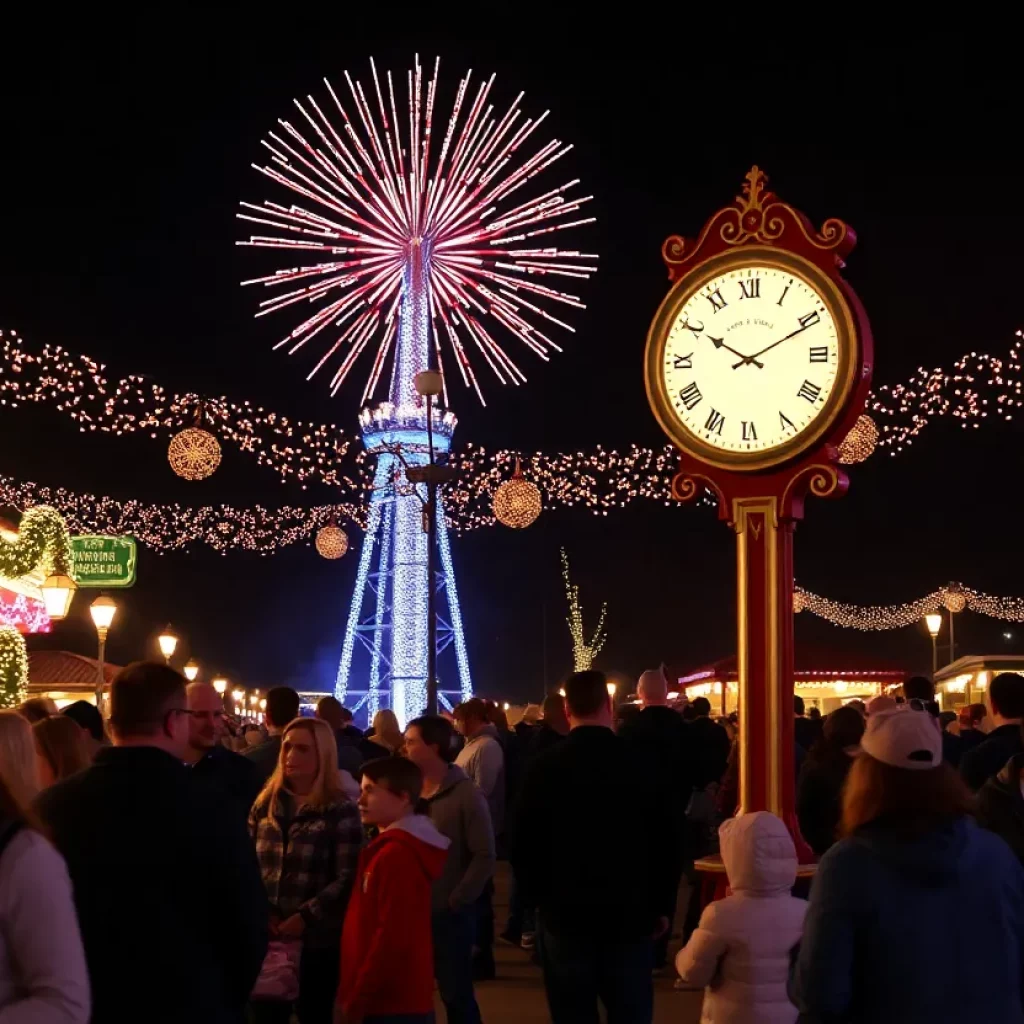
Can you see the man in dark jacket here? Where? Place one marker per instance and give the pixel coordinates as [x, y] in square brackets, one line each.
[710, 745]
[1001, 805]
[282, 707]
[659, 736]
[805, 730]
[351, 744]
[1006, 696]
[596, 938]
[232, 775]
[164, 873]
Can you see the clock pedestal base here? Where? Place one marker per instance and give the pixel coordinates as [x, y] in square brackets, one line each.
[763, 510]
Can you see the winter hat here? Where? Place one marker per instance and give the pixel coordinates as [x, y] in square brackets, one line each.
[881, 703]
[903, 739]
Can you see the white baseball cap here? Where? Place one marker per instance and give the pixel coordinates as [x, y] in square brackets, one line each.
[903, 739]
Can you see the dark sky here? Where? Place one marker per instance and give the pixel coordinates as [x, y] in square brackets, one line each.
[126, 148]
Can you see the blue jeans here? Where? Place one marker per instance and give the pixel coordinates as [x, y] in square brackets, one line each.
[453, 932]
[579, 970]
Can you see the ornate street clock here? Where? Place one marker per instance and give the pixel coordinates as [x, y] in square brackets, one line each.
[758, 363]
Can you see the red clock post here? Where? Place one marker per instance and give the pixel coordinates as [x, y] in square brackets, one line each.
[783, 382]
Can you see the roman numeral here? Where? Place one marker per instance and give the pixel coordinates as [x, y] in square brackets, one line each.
[749, 433]
[690, 396]
[751, 288]
[783, 295]
[715, 422]
[693, 326]
[819, 354]
[809, 319]
[785, 421]
[716, 300]
[682, 362]
[809, 391]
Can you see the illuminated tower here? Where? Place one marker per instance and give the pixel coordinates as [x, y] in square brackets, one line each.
[384, 657]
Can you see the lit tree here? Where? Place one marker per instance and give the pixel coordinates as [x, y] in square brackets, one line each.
[13, 668]
[583, 651]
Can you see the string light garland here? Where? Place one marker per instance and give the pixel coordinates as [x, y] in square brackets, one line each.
[583, 651]
[860, 443]
[517, 502]
[331, 541]
[13, 668]
[955, 597]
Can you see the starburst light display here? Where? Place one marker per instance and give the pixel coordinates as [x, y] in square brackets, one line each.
[390, 198]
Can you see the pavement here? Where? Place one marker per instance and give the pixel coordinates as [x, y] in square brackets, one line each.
[517, 995]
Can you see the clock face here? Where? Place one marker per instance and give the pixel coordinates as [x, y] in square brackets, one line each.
[751, 358]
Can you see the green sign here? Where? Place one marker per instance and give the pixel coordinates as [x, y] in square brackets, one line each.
[103, 561]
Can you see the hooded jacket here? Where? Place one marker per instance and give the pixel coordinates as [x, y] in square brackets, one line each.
[742, 946]
[1001, 805]
[459, 811]
[387, 960]
[896, 924]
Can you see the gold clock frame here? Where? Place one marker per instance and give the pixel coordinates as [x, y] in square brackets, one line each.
[683, 290]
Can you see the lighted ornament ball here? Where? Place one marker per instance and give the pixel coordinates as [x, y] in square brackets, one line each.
[194, 453]
[517, 501]
[331, 541]
[860, 442]
[954, 601]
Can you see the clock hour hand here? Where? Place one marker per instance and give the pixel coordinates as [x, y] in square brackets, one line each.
[768, 348]
[719, 343]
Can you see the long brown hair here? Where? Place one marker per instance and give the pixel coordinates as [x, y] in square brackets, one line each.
[62, 742]
[913, 800]
[18, 764]
[327, 784]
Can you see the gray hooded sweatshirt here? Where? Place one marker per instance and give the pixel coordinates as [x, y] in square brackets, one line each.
[459, 811]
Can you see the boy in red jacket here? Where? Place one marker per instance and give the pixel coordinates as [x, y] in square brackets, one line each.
[387, 962]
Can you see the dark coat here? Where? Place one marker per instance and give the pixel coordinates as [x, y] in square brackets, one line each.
[977, 766]
[168, 892]
[1001, 805]
[265, 756]
[819, 796]
[350, 757]
[544, 738]
[591, 848]
[231, 775]
[710, 745]
[806, 731]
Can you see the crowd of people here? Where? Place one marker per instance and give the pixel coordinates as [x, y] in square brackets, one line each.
[169, 866]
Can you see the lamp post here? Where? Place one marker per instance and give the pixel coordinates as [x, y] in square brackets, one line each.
[58, 590]
[191, 670]
[220, 684]
[612, 688]
[168, 641]
[429, 385]
[102, 611]
[239, 698]
[933, 621]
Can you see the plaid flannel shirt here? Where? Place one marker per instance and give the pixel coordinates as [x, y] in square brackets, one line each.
[308, 867]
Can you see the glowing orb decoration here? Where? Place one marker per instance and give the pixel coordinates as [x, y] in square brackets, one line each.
[860, 442]
[331, 541]
[954, 601]
[517, 501]
[799, 602]
[194, 453]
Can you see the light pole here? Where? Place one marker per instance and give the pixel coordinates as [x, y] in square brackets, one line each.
[429, 385]
[220, 684]
[102, 611]
[612, 687]
[58, 590]
[933, 620]
[191, 670]
[168, 641]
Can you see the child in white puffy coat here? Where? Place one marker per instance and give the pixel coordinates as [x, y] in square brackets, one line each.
[741, 948]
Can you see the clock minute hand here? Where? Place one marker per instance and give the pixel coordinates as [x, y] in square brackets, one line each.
[719, 343]
[768, 348]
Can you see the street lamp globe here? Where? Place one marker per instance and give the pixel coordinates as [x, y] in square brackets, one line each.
[428, 382]
[103, 610]
[933, 620]
[191, 670]
[220, 684]
[168, 641]
[58, 590]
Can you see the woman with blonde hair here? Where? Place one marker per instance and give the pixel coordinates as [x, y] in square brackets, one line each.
[35, 709]
[308, 836]
[386, 732]
[18, 764]
[43, 976]
[60, 749]
[913, 884]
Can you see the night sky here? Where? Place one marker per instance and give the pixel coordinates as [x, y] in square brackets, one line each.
[127, 148]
